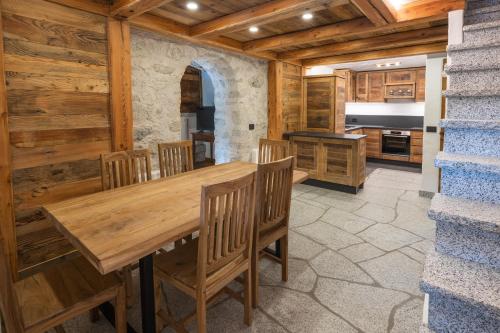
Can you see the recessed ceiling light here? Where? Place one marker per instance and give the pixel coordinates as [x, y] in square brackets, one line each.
[389, 64]
[191, 5]
[307, 16]
[253, 29]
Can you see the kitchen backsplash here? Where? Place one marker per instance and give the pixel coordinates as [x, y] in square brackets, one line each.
[389, 121]
[386, 109]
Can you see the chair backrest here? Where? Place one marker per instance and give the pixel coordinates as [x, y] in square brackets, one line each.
[175, 157]
[226, 224]
[273, 150]
[9, 306]
[125, 168]
[274, 193]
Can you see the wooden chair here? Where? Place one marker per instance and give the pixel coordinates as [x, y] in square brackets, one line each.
[202, 268]
[47, 299]
[125, 168]
[274, 195]
[273, 150]
[175, 157]
[121, 169]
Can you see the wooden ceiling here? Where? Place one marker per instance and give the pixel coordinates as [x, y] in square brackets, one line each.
[339, 28]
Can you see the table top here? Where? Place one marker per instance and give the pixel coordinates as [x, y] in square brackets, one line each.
[115, 228]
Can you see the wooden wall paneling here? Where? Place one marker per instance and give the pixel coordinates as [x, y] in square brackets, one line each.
[340, 100]
[275, 100]
[292, 97]
[7, 223]
[59, 115]
[120, 73]
[191, 90]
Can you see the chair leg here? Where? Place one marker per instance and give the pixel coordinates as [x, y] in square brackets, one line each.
[129, 286]
[94, 315]
[201, 313]
[121, 311]
[248, 296]
[284, 258]
[255, 278]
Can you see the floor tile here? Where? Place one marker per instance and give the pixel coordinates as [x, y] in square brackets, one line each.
[366, 307]
[414, 219]
[301, 277]
[376, 212]
[302, 247]
[328, 235]
[361, 252]
[380, 196]
[408, 317]
[388, 237]
[334, 265]
[346, 221]
[395, 271]
[302, 213]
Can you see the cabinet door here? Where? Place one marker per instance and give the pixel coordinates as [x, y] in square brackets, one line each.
[337, 161]
[362, 87]
[306, 152]
[340, 96]
[376, 82]
[416, 138]
[420, 87]
[318, 104]
[402, 76]
[373, 146]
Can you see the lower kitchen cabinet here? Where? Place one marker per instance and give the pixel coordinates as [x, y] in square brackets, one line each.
[335, 160]
[416, 138]
[373, 142]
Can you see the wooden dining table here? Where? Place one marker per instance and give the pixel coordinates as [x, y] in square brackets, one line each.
[116, 228]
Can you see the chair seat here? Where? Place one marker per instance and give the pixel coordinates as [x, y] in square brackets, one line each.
[61, 288]
[180, 265]
[270, 235]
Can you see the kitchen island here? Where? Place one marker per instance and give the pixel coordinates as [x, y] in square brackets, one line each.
[334, 158]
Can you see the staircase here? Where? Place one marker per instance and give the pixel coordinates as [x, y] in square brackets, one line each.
[462, 274]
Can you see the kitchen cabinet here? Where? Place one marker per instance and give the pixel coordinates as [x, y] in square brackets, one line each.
[376, 81]
[362, 87]
[333, 159]
[350, 83]
[416, 138]
[420, 86]
[324, 104]
[400, 76]
[373, 142]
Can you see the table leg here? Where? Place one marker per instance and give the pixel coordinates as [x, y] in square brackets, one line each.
[147, 294]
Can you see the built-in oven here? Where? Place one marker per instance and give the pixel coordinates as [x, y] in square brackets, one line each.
[396, 142]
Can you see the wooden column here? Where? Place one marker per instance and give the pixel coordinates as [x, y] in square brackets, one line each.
[120, 77]
[7, 220]
[275, 100]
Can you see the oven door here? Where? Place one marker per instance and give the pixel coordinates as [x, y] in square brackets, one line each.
[396, 144]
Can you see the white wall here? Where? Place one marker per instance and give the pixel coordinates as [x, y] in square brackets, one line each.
[386, 109]
[431, 142]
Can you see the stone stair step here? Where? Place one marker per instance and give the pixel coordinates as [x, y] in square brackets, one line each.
[483, 14]
[473, 104]
[471, 137]
[479, 76]
[467, 229]
[464, 296]
[467, 54]
[477, 4]
[469, 163]
[485, 32]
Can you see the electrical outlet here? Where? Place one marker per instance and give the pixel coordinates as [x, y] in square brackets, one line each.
[251, 127]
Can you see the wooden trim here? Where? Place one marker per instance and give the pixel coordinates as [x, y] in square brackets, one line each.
[357, 28]
[239, 20]
[401, 39]
[7, 220]
[386, 10]
[85, 5]
[419, 9]
[130, 8]
[390, 53]
[275, 100]
[120, 78]
[370, 12]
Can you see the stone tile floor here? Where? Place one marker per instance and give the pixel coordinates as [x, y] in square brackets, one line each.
[355, 266]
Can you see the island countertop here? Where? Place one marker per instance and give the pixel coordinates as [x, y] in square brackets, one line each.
[326, 135]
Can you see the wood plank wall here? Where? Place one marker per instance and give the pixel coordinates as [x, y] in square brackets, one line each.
[191, 91]
[58, 95]
[284, 98]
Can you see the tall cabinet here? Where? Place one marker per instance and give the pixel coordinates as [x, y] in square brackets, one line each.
[324, 103]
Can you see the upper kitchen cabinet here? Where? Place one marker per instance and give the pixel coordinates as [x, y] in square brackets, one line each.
[384, 86]
[324, 104]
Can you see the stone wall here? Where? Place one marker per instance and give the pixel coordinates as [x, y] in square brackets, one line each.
[240, 85]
